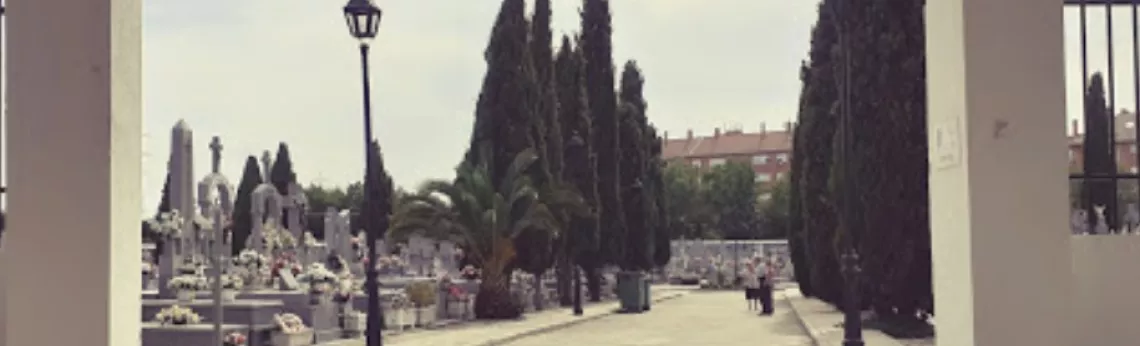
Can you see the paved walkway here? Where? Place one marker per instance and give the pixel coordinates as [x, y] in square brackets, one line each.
[705, 318]
[825, 323]
[501, 332]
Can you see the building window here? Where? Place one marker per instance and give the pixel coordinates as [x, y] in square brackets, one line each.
[782, 158]
[696, 163]
[763, 177]
[760, 159]
[716, 162]
[1133, 170]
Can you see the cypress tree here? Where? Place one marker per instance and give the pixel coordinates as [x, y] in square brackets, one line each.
[378, 202]
[597, 49]
[581, 162]
[815, 131]
[889, 156]
[505, 109]
[243, 203]
[1097, 153]
[281, 175]
[164, 202]
[634, 187]
[658, 222]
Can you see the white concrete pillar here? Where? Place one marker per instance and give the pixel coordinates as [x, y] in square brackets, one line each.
[72, 246]
[998, 188]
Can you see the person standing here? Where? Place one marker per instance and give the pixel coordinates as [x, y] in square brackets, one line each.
[768, 280]
[751, 281]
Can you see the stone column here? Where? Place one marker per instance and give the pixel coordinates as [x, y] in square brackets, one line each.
[75, 147]
[999, 215]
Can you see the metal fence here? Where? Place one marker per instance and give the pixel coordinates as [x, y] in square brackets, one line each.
[1092, 213]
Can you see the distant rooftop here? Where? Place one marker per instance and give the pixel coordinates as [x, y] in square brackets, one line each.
[729, 142]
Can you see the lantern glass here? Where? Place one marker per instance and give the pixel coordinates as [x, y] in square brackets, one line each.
[362, 18]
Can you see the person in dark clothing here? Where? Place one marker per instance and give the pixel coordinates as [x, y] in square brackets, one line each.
[767, 280]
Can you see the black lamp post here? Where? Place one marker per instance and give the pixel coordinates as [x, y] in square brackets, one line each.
[852, 321]
[363, 19]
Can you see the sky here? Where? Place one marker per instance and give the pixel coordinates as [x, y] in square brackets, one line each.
[259, 72]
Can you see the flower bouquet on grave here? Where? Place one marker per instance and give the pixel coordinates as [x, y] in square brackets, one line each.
[321, 281]
[166, 225]
[231, 284]
[177, 315]
[291, 331]
[470, 273]
[308, 240]
[234, 339]
[186, 286]
[344, 292]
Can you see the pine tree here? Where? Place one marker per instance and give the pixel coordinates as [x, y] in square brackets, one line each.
[243, 203]
[597, 49]
[1097, 152]
[581, 162]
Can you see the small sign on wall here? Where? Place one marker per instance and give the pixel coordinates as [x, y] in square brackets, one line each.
[946, 144]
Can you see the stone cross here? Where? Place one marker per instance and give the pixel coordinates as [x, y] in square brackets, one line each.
[266, 162]
[216, 150]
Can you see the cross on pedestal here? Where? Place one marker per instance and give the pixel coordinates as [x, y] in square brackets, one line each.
[216, 149]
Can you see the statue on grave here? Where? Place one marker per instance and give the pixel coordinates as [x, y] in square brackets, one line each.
[1101, 224]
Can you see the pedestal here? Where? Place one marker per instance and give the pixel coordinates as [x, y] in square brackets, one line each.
[74, 133]
[998, 193]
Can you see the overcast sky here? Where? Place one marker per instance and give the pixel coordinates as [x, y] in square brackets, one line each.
[259, 72]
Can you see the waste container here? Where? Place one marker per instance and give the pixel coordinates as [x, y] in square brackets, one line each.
[630, 291]
[646, 280]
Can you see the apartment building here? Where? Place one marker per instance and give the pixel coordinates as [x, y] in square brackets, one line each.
[1126, 160]
[769, 152]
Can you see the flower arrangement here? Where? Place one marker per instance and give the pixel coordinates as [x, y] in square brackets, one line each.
[285, 262]
[290, 323]
[308, 240]
[469, 272]
[344, 292]
[234, 339]
[250, 259]
[232, 282]
[147, 268]
[201, 223]
[166, 225]
[187, 282]
[278, 239]
[318, 277]
[396, 301]
[422, 293]
[177, 315]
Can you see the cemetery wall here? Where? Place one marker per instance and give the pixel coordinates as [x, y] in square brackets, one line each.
[1106, 284]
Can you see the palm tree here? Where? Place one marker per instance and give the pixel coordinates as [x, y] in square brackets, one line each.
[485, 219]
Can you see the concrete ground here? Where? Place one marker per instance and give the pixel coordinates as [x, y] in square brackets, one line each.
[706, 318]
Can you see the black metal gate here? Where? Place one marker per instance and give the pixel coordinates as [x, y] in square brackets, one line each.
[1097, 176]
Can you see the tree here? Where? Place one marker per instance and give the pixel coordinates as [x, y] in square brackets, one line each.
[815, 130]
[281, 175]
[688, 214]
[505, 109]
[888, 157]
[658, 223]
[581, 162]
[376, 209]
[773, 212]
[243, 203]
[164, 201]
[537, 249]
[487, 218]
[597, 49]
[732, 195]
[1098, 153]
[637, 252]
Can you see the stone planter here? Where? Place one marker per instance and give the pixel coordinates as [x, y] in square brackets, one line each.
[426, 316]
[186, 296]
[458, 309]
[394, 318]
[355, 323]
[302, 338]
[229, 295]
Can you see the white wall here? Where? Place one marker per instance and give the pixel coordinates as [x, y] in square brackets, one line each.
[1107, 289]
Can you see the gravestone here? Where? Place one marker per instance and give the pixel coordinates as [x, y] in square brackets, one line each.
[447, 254]
[295, 204]
[181, 170]
[332, 231]
[266, 206]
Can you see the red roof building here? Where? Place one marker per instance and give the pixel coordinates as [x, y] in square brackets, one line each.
[768, 152]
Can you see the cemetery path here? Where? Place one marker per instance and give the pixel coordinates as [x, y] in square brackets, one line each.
[701, 318]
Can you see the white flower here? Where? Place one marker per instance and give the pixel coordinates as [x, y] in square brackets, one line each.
[187, 283]
[317, 273]
[290, 323]
[177, 315]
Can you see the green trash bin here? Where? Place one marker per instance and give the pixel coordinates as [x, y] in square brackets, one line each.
[646, 280]
[629, 285]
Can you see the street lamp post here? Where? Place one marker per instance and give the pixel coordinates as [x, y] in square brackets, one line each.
[363, 19]
[852, 321]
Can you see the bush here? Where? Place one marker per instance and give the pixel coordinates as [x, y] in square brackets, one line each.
[423, 293]
[494, 302]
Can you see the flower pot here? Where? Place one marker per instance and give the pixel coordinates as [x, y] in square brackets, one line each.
[355, 322]
[229, 295]
[186, 296]
[426, 316]
[394, 319]
[302, 338]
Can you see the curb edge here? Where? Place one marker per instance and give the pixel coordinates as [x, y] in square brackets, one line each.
[803, 324]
